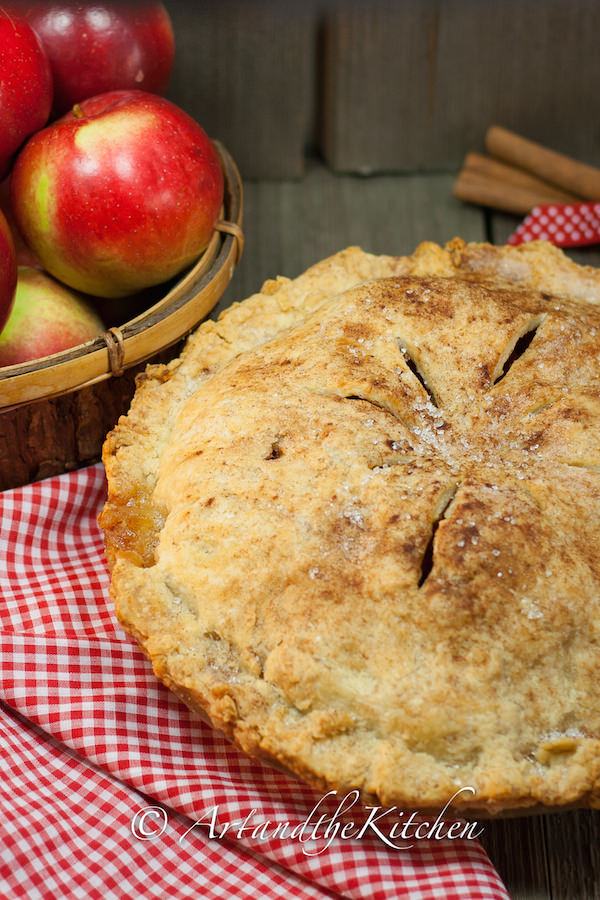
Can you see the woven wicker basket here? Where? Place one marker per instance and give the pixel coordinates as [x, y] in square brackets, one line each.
[55, 412]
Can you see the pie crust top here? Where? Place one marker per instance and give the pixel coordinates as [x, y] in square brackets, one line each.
[356, 525]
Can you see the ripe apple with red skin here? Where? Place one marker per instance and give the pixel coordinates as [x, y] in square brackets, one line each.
[103, 46]
[8, 271]
[119, 195]
[23, 254]
[46, 318]
[25, 86]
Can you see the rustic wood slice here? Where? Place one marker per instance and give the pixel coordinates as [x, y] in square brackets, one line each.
[55, 412]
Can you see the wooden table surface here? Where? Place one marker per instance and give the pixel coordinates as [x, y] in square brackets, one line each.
[291, 224]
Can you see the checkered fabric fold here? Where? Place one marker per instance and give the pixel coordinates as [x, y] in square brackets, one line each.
[110, 787]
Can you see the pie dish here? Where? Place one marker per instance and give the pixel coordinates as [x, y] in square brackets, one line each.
[356, 527]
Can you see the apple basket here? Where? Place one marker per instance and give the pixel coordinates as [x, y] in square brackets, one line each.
[55, 412]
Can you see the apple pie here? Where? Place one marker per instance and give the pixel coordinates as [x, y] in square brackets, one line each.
[356, 526]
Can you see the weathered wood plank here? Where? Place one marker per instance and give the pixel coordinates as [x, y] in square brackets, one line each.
[379, 85]
[246, 71]
[517, 847]
[290, 225]
[414, 84]
[573, 842]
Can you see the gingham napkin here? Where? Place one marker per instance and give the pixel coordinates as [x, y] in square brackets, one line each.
[111, 788]
[563, 224]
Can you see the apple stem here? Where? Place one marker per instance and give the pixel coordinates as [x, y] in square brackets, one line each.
[77, 111]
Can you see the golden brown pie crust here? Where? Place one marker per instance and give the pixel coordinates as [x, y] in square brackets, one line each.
[356, 525]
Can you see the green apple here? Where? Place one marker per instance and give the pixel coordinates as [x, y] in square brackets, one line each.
[46, 318]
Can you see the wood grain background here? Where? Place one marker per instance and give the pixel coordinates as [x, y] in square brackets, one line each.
[386, 85]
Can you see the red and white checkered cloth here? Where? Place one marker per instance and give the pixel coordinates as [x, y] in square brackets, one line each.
[105, 774]
[563, 224]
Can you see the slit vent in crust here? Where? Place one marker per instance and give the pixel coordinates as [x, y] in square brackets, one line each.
[442, 510]
[409, 357]
[516, 349]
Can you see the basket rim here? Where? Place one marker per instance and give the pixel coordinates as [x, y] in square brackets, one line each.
[163, 324]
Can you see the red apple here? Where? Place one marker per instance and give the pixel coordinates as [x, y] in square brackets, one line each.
[24, 256]
[25, 86]
[46, 318]
[103, 46]
[119, 195]
[8, 271]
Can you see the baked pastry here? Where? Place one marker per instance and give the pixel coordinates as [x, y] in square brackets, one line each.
[356, 526]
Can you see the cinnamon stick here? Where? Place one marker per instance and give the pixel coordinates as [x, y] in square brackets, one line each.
[560, 170]
[473, 187]
[491, 168]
